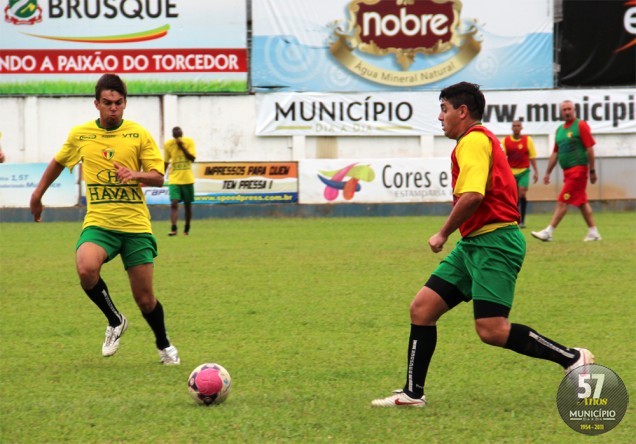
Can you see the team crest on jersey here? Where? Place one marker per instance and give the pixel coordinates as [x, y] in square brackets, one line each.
[22, 12]
[108, 153]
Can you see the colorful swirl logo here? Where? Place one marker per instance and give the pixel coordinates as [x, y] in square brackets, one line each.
[346, 179]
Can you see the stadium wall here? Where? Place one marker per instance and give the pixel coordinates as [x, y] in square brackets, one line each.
[224, 129]
[223, 126]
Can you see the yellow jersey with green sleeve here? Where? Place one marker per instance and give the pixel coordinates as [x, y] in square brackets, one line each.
[180, 166]
[111, 204]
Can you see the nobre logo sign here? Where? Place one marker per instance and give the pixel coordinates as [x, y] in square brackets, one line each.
[404, 28]
[424, 26]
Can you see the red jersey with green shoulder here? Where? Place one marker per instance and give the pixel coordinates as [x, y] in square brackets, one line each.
[517, 152]
[499, 188]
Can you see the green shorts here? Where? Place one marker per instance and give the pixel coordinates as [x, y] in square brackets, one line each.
[181, 193]
[134, 248]
[523, 179]
[485, 267]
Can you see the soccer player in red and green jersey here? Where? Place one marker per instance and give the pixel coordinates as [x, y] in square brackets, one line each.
[484, 264]
[574, 150]
[521, 154]
[116, 156]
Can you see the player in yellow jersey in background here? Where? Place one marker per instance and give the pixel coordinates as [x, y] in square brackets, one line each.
[179, 153]
[116, 155]
[521, 154]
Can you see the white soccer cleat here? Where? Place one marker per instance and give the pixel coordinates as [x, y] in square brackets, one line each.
[399, 399]
[113, 334]
[169, 356]
[543, 235]
[592, 237]
[586, 358]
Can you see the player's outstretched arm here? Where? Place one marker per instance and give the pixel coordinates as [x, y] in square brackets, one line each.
[52, 172]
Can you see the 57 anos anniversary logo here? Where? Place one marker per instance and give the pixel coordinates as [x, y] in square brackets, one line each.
[404, 28]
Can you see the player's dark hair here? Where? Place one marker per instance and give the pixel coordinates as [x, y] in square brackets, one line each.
[110, 82]
[464, 93]
[177, 132]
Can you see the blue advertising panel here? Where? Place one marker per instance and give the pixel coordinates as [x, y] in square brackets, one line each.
[372, 45]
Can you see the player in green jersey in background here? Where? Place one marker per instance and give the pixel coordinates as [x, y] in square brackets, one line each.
[574, 150]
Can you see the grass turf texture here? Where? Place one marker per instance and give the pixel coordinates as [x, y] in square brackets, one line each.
[135, 87]
[310, 317]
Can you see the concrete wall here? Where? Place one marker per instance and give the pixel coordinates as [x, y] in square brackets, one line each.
[223, 126]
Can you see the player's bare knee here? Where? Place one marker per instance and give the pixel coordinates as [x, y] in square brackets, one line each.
[146, 302]
[491, 336]
[88, 277]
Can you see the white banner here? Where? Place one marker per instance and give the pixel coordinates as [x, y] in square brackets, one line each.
[608, 111]
[159, 47]
[18, 180]
[377, 45]
[374, 180]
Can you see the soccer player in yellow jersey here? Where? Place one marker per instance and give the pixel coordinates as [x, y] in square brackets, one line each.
[179, 153]
[116, 155]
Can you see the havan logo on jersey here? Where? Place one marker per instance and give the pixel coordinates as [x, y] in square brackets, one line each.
[111, 193]
[111, 190]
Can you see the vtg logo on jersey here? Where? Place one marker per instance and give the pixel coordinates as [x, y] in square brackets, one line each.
[22, 12]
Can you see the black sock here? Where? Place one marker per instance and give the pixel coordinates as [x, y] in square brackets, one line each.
[156, 322]
[524, 340]
[99, 295]
[523, 204]
[186, 229]
[422, 342]
[174, 228]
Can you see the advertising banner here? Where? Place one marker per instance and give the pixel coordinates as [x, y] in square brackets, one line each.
[157, 46]
[593, 55]
[18, 181]
[237, 182]
[341, 181]
[373, 45]
[416, 113]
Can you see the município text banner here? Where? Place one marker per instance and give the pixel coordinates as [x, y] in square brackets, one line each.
[416, 113]
[238, 183]
[341, 181]
[373, 45]
[158, 46]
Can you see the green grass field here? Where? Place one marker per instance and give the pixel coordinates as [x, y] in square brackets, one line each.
[310, 317]
[135, 87]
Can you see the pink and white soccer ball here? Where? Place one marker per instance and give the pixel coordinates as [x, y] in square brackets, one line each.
[209, 384]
